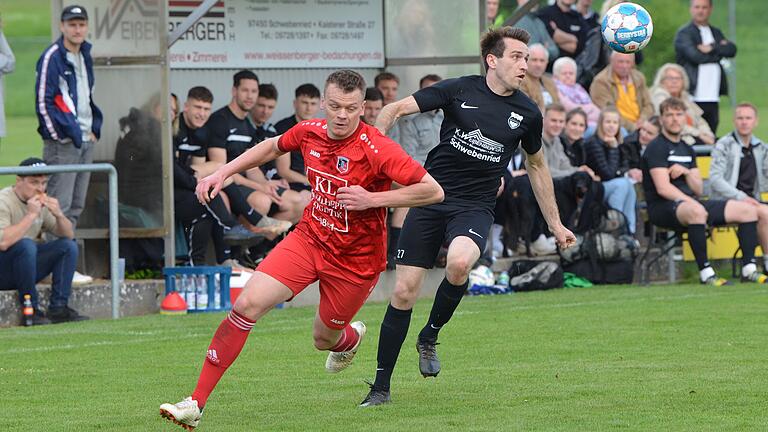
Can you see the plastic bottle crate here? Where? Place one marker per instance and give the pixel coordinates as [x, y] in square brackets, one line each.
[198, 287]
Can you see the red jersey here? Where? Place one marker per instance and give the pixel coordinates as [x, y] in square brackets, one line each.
[350, 239]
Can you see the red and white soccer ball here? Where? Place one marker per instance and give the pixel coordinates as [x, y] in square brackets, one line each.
[627, 27]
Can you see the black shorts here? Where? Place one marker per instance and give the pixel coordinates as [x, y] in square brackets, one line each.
[426, 229]
[274, 208]
[664, 213]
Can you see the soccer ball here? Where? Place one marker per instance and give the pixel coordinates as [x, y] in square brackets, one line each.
[481, 276]
[627, 28]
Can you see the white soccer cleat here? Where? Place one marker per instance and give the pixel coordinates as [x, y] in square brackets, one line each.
[185, 413]
[338, 361]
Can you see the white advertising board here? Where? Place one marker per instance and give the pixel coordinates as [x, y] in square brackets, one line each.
[280, 34]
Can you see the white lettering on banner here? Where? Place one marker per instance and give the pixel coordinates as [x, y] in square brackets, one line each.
[474, 144]
[325, 208]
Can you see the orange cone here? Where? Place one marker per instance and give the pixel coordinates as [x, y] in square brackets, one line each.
[173, 304]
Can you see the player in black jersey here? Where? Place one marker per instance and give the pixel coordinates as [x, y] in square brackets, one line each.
[486, 118]
[230, 134]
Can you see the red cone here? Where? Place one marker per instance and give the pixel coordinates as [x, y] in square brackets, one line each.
[173, 304]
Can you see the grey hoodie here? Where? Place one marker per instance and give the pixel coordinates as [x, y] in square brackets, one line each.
[724, 170]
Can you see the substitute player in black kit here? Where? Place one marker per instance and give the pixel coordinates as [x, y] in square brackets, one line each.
[486, 118]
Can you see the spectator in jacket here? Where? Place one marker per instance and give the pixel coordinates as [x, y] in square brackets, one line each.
[573, 136]
[571, 94]
[539, 31]
[558, 162]
[699, 47]
[69, 120]
[739, 169]
[620, 84]
[634, 144]
[7, 63]
[604, 157]
[589, 15]
[26, 211]
[671, 80]
[566, 26]
[538, 85]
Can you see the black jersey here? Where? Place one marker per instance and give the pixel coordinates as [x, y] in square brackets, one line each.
[479, 134]
[227, 131]
[297, 160]
[663, 153]
[189, 143]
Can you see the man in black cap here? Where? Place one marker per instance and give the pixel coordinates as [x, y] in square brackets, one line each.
[26, 211]
[68, 119]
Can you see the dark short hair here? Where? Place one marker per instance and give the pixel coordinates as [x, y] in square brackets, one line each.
[347, 80]
[654, 120]
[268, 91]
[385, 76]
[554, 106]
[430, 77]
[243, 75]
[308, 90]
[373, 94]
[671, 103]
[492, 41]
[200, 93]
[574, 112]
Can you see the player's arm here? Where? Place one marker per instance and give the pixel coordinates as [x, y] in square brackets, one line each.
[426, 191]
[665, 188]
[257, 155]
[390, 113]
[543, 189]
[693, 180]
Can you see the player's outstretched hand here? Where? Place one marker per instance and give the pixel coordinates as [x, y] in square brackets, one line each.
[209, 187]
[564, 237]
[355, 198]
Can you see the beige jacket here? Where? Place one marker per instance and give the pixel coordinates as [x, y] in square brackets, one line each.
[532, 87]
[604, 92]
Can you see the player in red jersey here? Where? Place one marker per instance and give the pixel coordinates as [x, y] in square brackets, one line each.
[340, 240]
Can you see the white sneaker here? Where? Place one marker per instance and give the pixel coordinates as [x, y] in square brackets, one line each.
[542, 246]
[338, 361]
[185, 413]
[81, 279]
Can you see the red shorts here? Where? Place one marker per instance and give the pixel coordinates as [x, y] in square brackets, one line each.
[296, 262]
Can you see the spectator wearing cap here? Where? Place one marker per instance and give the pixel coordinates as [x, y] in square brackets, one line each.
[7, 63]
[26, 212]
[68, 119]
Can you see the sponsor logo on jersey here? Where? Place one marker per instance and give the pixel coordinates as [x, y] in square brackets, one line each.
[514, 120]
[326, 210]
[314, 153]
[342, 164]
[465, 106]
[337, 322]
[476, 145]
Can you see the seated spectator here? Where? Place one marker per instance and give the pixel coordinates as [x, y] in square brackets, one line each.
[557, 160]
[739, 169]
[672, 185]
[635, 143]
[571, 94]
[26, 211]
[260, 116]
[290, 166]
[538, 85]
[589, 15]
[573, 136]
[228, 134]
[539, 31]
[605, 159]
[672, 81]
[387, 83]
[374, 102]
[622, 85]
[565, 25]
[203, 222]
[419, 133]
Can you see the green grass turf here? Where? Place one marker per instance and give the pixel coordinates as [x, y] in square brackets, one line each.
[677, 358]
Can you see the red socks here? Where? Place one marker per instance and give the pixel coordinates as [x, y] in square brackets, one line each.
[226, 345]
[349, 338]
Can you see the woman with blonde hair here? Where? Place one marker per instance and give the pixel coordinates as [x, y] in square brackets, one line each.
[672, 80]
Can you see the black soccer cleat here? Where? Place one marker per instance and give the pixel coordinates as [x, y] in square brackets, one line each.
[375, 397]
[429, 364]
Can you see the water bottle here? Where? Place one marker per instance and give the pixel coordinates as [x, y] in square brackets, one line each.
[217, 298]
[202, 292]
[27, 311]
[187, 292]
[503, 279]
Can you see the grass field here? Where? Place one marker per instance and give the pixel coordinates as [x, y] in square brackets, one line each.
[676, 358]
